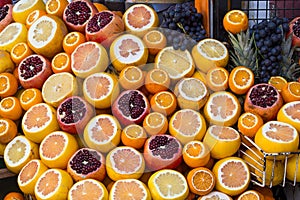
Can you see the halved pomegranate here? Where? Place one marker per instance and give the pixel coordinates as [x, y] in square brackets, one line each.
[104, 27]
[263, 99]
[87, 163]
[73, 114]
[33, 71]
[5, 15]
[77, 14]
[295, 31]
[162, 152]
[130, 107]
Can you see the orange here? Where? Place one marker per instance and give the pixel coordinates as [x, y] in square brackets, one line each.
[196, 154]
[157, 80]
[168, 184]
[129, 189]
[250, 194]
[187, 125]
[133, 135]
[201, 180]
[102, 133]
[289, 113]
[278, 82]
[8, 84]
[19, 52]
[124, 162]
[100, 89]
[249, 123]
[61, 62]
[276, 136]
[222, 141]
[191, 93]
[164, 102]
[14, 196]
[56, 7]
[88, 189]
[139, 19]
[217, 79]
[18, 152]
[72, 40]
[33, 16]
[222, 108]
[235, 21]
[10, 107]
[241, 79]
[209, 53]
[57, 148]
[155, 40]
[291, 92]
[232, 175]
[131, 78]
[8, 130]
[89, 58]
[23, 8]
[29, 174]
[176, 63]
[39, 121]
[58, 87]
[30, 97]
[128, 50]
[100, 7]
[53, 184]
[155, 123]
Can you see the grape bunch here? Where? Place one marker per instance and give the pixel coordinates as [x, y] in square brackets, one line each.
[268, 35]
[182, 25]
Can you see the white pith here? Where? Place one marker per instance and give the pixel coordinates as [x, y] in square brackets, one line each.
[23, 5]
[217, 194]
[33, 30]
[267, 127]
[247, 83]
[288, 105]
[131, 58]
[185, 96]
[27, 151]
[7, 32]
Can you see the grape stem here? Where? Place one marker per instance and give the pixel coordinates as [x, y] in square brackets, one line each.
[179, 24]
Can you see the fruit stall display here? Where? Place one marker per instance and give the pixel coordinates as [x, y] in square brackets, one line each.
[103, 104]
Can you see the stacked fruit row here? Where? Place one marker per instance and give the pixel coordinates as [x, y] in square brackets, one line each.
[100, 104]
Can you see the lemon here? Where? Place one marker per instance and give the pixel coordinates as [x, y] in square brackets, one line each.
[6, 64]
[12, 34]
[24, 7]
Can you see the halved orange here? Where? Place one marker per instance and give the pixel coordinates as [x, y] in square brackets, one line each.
[215, 194]
[250, 194]
[61, 62]
[23, 8]
[131, 77]
[72, 40]
[217, 79]
[8, 130]
[8, 84]
[157, 80]
[249, 123]
[30, 97]
[20, 51]
[155, 123]
[289, 113]
[235, 21]
[164, 102]
[291, 92]
[10, 107]
[195, 153]
[241, 79]
[278, 82]
[56, 7]
[33, 16]
[155, 40]
[134, 135]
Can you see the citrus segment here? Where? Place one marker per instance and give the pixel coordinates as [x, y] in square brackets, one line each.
[19, 152]
[235, 21]
[11, 35]
[250, 194]
[249, 123]
[61, 62]
[128, 50]
[291, 92]
[29, 175]
[176, 63]
[72, 40]
[10, 107]
[168, 184]
[164, 102]
[89, 58]
[33, 16]
[8, 84]
[289, 113]
[53, 184]
[24, 7]
[29, 97]
[103, 133]
[187, 125]
[241, 79]
[133, 135]
[58, 87]
[155, 123]
[39, 121]
[19, 52]
[131, 78]
[222, 108]
[129, 189]
[278, 82]
[88, 189]
[232, 175]
[209, 53]
[155, 40]
[8, 130]
[124, 162]
[217, 79]
[223, 141]
[195, 153]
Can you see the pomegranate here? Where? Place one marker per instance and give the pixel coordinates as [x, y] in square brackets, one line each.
[104, 27]
[5, 15]
[87, 163]
[3, 2]
[264, 100]
[73, 114]
[33, 71]
[130, 107]
[162, 152]
[77, 14]
[295, 31]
